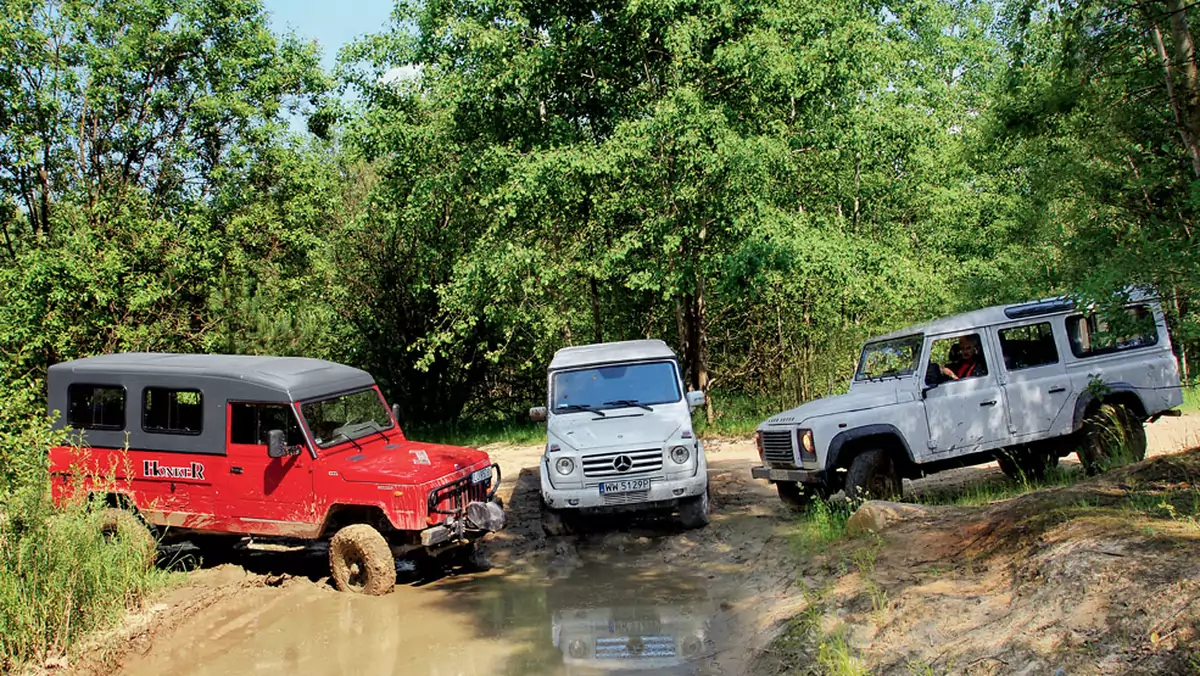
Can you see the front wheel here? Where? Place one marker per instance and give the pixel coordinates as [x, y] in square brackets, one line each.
[693, 512]
[555, 522]
[361, 561]
[872, 475]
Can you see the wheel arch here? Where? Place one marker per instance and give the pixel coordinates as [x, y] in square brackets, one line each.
[849, 443]
[340, 515]
[1119, 394]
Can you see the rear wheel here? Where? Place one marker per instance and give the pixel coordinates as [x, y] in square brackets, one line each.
[872, 475]
[693, 512]
[361, 561]
[119, 524]
[1111, 436]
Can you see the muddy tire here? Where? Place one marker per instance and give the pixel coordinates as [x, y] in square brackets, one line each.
[1111, 436]
[872, 475]
[124, 525]
[555, 522]
[799, 496]
[693, 512]
[1026, 464]
[361, 561]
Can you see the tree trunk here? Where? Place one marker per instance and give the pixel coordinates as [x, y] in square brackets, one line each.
[1177, 106]
[594, 288]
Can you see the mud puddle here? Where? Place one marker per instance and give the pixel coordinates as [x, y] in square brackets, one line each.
[591, 611]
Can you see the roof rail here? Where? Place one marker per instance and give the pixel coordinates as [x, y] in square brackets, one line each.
[1038, 308]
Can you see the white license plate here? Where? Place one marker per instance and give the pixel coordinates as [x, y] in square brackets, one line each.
[481, 475]
[779, 475]
[624, 486]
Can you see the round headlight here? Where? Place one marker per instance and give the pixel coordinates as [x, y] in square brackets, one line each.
[564, 466]
[680, 454]
[577, 649]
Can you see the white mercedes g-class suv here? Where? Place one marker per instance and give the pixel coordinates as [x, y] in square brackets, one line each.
[1022, 384]
[619, 436]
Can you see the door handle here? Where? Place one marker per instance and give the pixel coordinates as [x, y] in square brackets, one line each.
[1056, 390]
[989, 403]
[235, 470]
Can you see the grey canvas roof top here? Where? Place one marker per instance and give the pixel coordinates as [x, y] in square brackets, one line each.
[608, 353]
[298, 377]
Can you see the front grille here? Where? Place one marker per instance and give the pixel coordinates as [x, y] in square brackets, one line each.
[633, 647]
[626, 498]
[641, 462]
[777, 447]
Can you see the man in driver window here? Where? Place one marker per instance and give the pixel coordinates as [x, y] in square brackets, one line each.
[968, 361]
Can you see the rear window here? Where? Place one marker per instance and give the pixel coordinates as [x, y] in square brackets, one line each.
[96, 407]
[1025, 347]
[168, 411]
[1091, 335]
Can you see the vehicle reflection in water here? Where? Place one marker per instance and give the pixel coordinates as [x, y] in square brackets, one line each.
[602, 618]
[662, 639]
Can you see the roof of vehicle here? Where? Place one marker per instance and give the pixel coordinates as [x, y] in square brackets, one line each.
[608, 353]
[1000, 314]
[299, 377]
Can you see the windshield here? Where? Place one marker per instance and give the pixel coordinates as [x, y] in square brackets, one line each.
[894, 358]
[346, 418]
[616, 386]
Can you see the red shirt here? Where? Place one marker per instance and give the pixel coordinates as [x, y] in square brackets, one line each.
[965, 369]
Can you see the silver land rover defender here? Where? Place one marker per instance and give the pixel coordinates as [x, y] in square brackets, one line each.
[1022, 384]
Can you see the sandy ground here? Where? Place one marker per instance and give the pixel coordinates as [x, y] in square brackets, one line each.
[719, 595]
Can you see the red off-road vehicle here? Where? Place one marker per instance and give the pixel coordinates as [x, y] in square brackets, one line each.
[220, 445]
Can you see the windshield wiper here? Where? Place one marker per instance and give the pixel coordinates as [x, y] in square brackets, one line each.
[580, 407]
[628, 402]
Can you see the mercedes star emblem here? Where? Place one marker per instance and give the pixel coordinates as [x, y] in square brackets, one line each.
[622, 463]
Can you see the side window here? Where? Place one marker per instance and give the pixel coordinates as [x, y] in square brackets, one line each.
[96, 407]
[1028, 346]
[249, 423]
[168, 411]
[1090, 335]
[956, 358]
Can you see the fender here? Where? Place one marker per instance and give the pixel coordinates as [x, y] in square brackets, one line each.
[1086, 398]
[879, 429]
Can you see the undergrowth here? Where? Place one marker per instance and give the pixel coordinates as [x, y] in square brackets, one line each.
[60, 576]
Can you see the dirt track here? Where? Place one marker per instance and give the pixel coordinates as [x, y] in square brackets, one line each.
[717, 594]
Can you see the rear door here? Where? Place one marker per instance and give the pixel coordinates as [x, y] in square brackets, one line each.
[267, 495]
[1035, 379]
[966, 413]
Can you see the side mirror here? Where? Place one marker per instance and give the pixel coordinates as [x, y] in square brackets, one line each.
[695, 398]
[276, 444]
[537, 414]
[396, 413]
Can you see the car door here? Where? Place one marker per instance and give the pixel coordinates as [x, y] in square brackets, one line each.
[965, 412]
[1035, 379]
[267, 495]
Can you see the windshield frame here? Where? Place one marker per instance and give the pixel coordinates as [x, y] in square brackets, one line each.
[918, 341]
[342, 439]
[555, 410]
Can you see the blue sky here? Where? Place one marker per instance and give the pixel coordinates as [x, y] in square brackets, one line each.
[332, 23]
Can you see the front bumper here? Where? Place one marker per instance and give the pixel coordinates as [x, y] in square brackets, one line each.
[471, 510]
[803, 476]
[662, 493]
